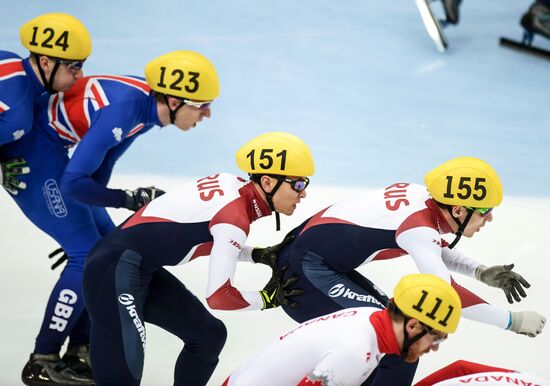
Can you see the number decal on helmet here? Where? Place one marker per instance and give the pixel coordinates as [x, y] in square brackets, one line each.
[465, 181]
[49, 33]
[277, 153]
[432, 313]
[463, 185]
[266, 160]
[179, 76]
[193, 80]
[183, 74]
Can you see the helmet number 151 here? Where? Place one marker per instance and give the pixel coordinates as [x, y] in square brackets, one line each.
[265, 160]
[465, 189]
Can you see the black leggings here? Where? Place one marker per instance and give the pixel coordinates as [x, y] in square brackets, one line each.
[120, 296]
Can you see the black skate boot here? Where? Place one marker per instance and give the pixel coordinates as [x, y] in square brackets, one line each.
[49, 370]
[452, 14]
[78, 359]
[537, 20]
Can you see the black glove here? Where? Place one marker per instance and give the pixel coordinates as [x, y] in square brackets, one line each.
[277, 293]
[268, 256]
[136, 199]
[60, 260]
[502, 276]
[8, 172]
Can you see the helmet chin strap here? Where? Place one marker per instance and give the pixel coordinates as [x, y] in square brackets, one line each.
[269, 199]
[409, 341]
[461, 225]
[48, 83]
[172, 112]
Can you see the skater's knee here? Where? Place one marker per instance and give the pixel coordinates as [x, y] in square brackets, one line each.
[211, 338]
[218, 335]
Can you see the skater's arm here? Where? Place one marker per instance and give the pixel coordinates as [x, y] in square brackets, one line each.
[220, 292]
[456, 261]
[107, 132]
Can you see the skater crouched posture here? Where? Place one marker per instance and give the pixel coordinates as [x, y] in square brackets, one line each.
[66, 197]
[403, 218]
[58, 45]
[343, 348]
[125, 284]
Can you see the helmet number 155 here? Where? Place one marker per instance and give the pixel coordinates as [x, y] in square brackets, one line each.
[265, 159]
[465, 189]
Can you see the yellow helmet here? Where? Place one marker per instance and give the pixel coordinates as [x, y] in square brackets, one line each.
[184, 74]
[57, 35]
[430, 300]
[465, 181]
[277, 153]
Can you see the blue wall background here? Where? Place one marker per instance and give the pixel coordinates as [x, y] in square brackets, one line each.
[360, 81]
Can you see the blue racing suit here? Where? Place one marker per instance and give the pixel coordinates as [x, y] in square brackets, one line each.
[66, 198]
[19, 90]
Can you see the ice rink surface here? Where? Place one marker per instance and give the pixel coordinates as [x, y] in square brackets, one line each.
[363, 85]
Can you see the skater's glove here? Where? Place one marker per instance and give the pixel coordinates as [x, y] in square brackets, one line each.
[9, 171]
[502, 276]
[528, 323]
[268, 255]
[138, 198]
[277, 291]
[60, 255]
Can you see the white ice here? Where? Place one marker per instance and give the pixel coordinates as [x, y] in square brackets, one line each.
[518, 234]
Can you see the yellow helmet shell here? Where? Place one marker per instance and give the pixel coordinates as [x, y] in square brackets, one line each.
[278, 153]
[465, 181]
[430, 300]
[57, 35]
[184, 74]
